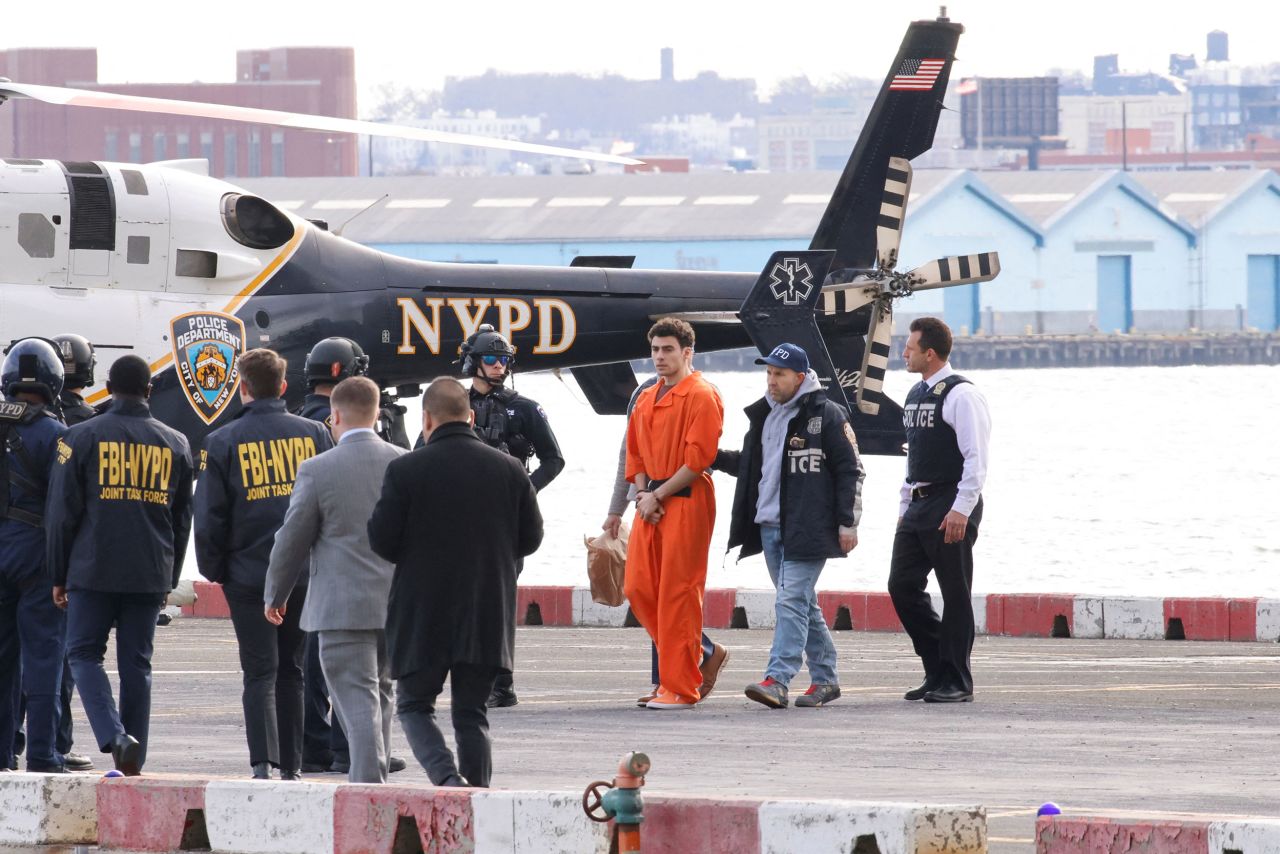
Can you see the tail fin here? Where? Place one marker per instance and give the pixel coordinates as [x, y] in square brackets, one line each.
[780, 309]
[901, 124]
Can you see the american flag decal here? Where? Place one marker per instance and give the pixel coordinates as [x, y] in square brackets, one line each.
[916, 75]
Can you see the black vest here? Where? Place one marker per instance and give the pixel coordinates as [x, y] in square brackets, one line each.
[933, 454]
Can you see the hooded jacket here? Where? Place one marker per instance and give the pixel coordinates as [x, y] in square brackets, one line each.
[821, 477]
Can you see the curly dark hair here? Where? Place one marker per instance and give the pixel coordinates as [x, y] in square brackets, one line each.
[670, 327]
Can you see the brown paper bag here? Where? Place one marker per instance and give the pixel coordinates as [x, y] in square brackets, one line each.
[606, 566]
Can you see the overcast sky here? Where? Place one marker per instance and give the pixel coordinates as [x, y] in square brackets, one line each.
[419, 44]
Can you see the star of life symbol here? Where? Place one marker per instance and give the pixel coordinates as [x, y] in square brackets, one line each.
[792, 281]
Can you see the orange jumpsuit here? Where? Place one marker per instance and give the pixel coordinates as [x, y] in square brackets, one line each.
[667, 562]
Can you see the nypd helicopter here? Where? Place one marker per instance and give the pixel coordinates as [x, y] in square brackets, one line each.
[189, 271]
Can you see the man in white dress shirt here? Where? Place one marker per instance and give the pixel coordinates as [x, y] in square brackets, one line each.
[948, 430]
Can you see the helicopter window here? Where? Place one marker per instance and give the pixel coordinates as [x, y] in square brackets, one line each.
[139, 251]
[35, 235]
[197, 263]
[254, 222]
[134, 182]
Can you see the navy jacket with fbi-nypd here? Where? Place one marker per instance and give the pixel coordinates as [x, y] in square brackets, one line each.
[119, 509]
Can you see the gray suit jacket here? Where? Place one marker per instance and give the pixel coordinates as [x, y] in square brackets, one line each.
[326, 527]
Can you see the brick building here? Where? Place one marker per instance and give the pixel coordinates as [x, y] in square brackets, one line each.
[319, 80]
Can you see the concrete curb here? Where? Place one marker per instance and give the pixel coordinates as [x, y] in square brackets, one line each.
[1062, 834]
[1033, 615]
[162, 814]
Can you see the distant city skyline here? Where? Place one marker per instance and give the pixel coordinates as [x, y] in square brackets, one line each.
[420, 49]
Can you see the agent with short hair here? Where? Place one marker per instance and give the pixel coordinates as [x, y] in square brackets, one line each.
[248, 470]
[325, 535]
[119, 514]
[452, 608]
[948, 431]
[798, 500]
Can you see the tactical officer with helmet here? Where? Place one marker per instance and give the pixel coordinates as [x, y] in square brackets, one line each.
[78, 362]
[324, 744]
[512, 423]
[32, 628]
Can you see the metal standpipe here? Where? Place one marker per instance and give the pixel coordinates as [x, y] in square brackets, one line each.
[620, 802]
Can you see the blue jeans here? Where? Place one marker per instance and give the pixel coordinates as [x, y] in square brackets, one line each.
[800, 631]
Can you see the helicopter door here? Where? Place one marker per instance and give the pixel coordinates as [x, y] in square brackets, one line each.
[33, 224]
[140, 260]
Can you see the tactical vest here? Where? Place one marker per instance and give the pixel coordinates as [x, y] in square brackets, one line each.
[13, 413]
[493, 424]
[933, 453]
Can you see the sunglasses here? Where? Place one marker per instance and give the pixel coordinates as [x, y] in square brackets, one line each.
[496, 360]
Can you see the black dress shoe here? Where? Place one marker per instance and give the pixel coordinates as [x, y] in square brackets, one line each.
[262, 770]
[929, 684]
[77, 762]
[395, 763]
[456, 781]
[340, 766]
[502, 698]
[127, 755]
[315, 767]
[949, 695]
[290, 775]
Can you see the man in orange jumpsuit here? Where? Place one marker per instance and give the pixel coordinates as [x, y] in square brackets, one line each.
[671, 442]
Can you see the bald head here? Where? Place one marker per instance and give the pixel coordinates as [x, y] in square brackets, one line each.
[446, 400]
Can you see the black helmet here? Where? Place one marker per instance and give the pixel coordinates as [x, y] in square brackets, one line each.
[333, 360]
[485, 342]
[32, 364]
[78, 360]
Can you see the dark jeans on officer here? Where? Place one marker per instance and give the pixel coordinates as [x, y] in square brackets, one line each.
[90, 615]
[416, 696]
[943, 644]
[323, 741]
[32, 637]
[271, 658]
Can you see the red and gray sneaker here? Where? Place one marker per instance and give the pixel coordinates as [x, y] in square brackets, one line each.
[818, 695]
[770, 692]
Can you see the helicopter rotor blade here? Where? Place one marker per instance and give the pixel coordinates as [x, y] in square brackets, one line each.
[301, 121]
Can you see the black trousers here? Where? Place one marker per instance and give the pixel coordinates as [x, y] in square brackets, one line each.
[323, 741]
[271, 658]
[416, 707]
[943, 644]
[90, 617]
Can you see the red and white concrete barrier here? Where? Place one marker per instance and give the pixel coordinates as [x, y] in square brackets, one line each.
[1012, 614]
[1068, 835]
[163, 814]
[48, 809]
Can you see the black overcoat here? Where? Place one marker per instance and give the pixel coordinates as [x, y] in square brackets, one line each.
[454, 517]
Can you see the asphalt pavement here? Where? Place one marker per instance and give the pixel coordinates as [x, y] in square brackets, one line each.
[1152, 728]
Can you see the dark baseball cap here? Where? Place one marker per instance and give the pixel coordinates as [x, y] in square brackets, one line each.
[787, 356]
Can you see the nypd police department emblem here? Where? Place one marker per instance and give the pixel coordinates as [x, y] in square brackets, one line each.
[206, 351]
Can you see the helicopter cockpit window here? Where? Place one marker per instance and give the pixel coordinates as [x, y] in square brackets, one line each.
[254, 222]
[35, 235]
